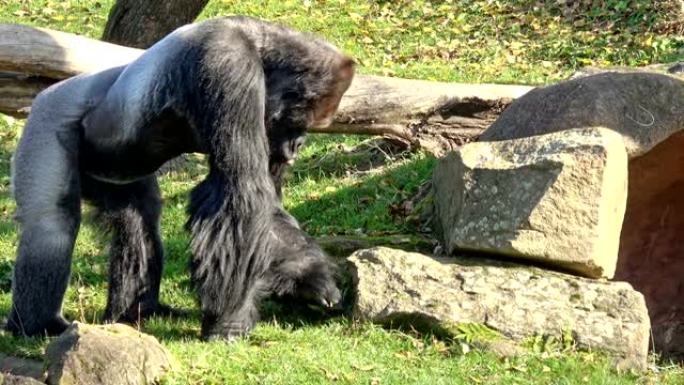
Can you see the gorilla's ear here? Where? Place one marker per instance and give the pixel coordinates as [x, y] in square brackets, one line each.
[326, 106]
[344, 76]
[346, 72]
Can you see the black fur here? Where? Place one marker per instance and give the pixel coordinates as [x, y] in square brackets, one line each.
[300, 268]
[284, 151]
[222, 87]
[130, 213]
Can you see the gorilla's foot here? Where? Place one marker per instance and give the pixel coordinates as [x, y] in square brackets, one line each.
[227, 332]
[229, 328]
[137, 313]
[57, 326]
[164, 310]
[34, 328]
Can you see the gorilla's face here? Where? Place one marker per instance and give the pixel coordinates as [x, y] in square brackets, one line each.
[285, 145]
[295, 106]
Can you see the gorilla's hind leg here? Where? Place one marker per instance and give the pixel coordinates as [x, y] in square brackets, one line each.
[46, 188]
[131, 213]
[42, 272]
[239, 322]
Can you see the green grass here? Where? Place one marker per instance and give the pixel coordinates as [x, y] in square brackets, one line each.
[329, 194]
[503, 41]
[346, 184]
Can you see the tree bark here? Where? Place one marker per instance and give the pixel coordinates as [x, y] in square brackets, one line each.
[141, 23]
[432, 115]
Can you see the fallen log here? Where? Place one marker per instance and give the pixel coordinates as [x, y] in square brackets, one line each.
[17, 92]
[433, 115]
[58, 55]
[423, 113]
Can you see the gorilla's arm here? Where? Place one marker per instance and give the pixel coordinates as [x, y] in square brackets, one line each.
[211, 81]
[46, 183]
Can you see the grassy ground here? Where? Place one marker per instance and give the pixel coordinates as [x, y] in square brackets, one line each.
[346, 184]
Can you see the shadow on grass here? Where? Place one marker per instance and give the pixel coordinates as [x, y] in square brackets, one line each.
[342, 160]
[365, 205]
[288, 312]
[18, 346]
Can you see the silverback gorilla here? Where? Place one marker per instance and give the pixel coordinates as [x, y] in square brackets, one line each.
[242, 91]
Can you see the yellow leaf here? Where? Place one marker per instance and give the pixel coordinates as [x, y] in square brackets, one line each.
[649, 41]
[516, 45]
[363, 368]
[355, 16]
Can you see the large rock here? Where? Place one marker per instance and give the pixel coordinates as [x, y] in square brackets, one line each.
[672, 69]
[558, 199]
[648, 110]
[519, 302]
[645, 108]
[105, 355]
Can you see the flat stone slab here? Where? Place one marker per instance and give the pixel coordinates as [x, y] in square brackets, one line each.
[519, 302]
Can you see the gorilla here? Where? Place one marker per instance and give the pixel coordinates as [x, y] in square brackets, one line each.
[242, 91]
